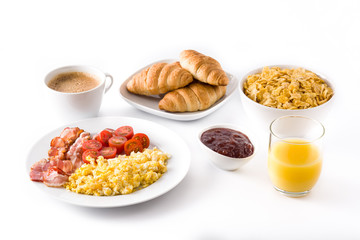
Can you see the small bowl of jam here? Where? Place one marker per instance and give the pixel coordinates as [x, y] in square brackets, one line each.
[228, 147]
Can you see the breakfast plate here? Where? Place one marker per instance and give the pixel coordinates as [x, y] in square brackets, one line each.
[160, 136]
[150, 104]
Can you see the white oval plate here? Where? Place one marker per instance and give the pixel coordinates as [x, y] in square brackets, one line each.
[161, 137]
[150, 104]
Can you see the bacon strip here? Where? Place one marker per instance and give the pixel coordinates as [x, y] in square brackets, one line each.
[64, 158]
[37, 170]
[65, 166]
[57, 142]
[75, 152]
[60, 145]
[57, 153]
[54, 177]
[69, 135]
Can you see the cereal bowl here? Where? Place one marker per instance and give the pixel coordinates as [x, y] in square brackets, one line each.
[222, 161]
[263, 115]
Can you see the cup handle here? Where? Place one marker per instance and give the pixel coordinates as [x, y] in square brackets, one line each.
[108, 76]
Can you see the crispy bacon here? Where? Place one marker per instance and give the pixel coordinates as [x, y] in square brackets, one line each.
[64, 165]
[60, 145]
[75, 152]
[57, 153]
[69, 135]
[57, 142]
[64, 158]
[54, 177]
[37, 170]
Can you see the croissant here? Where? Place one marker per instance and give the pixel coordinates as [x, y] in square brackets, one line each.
[194, 97]
[203, 68]
[159, 78]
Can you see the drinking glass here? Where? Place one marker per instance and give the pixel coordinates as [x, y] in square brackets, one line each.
[295, 154]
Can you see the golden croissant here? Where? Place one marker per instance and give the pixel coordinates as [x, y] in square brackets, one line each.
[203, 68]
[194, 97]
[159, 78]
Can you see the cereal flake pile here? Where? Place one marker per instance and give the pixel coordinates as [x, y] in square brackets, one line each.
[287, 88]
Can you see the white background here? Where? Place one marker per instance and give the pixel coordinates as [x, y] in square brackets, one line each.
[119, 38]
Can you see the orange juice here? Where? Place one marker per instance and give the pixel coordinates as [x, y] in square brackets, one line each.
[294, 165]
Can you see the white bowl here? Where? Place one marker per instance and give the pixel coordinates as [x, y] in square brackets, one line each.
[222, 161]
[263, 115]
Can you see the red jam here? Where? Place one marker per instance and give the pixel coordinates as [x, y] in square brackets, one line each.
[228, 142]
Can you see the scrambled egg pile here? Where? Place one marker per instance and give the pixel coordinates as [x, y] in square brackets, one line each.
[120, 175]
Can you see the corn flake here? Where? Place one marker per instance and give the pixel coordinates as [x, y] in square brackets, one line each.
[287, 88]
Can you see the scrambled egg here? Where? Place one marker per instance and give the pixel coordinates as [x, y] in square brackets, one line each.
[120, 175]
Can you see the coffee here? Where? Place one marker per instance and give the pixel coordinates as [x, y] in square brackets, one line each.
[73, 82]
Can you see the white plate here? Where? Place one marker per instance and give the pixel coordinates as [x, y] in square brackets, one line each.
[150, 103]
[161, 137]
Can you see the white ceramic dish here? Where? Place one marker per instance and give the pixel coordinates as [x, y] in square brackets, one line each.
[178, 164]
[263, 115]
[222, 161]
[150, 104]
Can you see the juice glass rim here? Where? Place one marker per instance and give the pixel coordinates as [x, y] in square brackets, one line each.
[297, 116]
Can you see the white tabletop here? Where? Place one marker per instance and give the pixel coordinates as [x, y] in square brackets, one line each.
[120, 38]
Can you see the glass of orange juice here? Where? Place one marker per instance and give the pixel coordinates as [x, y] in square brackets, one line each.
[295, 154]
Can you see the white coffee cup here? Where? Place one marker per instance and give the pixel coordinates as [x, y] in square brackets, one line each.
[80, 105]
